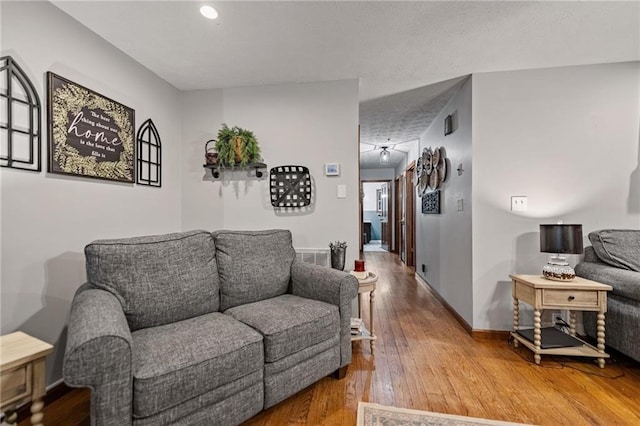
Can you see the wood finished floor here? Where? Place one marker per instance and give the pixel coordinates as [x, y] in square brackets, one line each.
[425, 360]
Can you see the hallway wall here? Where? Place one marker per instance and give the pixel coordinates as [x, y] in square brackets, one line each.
[443, 241]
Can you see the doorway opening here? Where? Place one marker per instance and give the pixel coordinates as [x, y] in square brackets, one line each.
[376, 219]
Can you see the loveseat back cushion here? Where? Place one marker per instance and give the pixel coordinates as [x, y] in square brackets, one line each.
[618, 247]
[158, 279]
[253, 265]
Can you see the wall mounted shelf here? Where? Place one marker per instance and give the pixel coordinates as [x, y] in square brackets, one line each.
[216, 169]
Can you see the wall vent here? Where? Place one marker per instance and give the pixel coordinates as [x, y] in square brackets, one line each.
[315, 256]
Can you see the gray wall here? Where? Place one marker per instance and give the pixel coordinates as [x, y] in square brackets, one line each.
[307, 124]
[443, 241]
[568, 139]
[46, 220]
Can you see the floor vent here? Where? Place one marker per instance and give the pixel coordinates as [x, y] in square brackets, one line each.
[315, 256]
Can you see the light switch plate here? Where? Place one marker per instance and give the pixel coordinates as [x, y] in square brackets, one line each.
[519, 203]
[342, 191]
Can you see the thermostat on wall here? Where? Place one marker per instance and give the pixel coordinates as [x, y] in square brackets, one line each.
[332, 169]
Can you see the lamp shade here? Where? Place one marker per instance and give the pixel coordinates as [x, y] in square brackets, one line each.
[561, 239]
[384, 156]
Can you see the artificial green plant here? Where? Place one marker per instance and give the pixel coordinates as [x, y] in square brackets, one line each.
[237, 146]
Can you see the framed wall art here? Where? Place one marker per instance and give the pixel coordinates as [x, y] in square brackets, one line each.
[431, 202]
[290, 186]
[448, 124]
[90, 135]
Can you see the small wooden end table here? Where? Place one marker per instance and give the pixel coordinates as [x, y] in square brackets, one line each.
[22, 373]
[578, 294]
[367, 285]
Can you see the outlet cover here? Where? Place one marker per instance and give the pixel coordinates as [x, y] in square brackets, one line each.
[519, 203]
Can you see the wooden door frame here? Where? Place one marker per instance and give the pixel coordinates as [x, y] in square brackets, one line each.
[387, 227]
[389, 220]
[360, 197]
[396, 215]
[410, 215]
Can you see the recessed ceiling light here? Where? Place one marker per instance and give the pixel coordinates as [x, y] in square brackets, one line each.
[209, 12]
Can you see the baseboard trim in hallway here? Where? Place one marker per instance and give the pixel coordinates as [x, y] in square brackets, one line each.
[475, 333]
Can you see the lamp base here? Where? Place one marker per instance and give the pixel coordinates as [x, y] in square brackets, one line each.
[558, 269]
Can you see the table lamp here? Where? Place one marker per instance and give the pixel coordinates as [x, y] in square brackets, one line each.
[560, 239]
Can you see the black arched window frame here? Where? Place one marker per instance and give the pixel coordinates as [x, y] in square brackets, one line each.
[149, 143]
[9, 70]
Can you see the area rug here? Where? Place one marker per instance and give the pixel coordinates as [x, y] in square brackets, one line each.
[370, 414]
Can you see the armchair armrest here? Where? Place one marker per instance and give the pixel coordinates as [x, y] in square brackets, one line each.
[98, 355]
[330, 286]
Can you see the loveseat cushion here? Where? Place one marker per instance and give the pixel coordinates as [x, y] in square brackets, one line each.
[176, 362]
[253, 265]
[157, 279]
[289, 323]
[618, 247]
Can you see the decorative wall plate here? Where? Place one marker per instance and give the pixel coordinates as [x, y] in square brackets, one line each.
[427, 159]
[435, 158]
[434, 179]
[442, 168]
[290, 186]
[423, 183]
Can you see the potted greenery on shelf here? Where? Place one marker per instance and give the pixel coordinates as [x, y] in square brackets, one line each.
[237, 147]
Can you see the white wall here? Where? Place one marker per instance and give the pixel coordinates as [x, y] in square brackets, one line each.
[410, 156]
[377, 174]
[370, 201]
[307, 124]
[443, 241]
[47, 219]
[568, 139]
[202, 116]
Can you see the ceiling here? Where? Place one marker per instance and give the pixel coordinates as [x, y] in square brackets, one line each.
[408, 56]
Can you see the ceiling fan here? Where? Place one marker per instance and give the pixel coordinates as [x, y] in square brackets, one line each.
[384, 148]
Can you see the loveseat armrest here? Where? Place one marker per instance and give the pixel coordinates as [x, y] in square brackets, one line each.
[331, 286]
[98, 355]
[625, 283]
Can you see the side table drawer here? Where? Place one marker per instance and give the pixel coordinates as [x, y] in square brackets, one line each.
[569, 298]
[15, 384]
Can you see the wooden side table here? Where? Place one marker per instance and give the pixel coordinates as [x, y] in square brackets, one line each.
[22, 373]
[577, 295]
[367, 285]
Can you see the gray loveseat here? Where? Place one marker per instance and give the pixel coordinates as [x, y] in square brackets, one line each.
[197, 328]
[614, 258]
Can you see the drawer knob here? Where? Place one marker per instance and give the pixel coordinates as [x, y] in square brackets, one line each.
[571, 298]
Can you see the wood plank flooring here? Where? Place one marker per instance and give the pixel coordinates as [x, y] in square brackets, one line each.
[425, 360]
